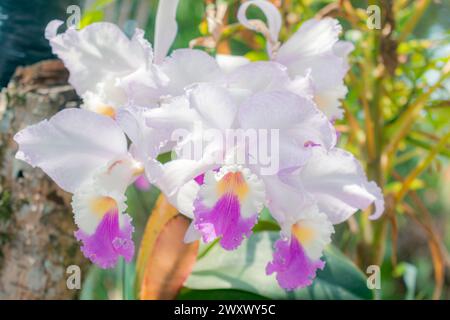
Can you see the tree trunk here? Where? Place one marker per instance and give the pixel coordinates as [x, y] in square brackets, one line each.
[36, 223]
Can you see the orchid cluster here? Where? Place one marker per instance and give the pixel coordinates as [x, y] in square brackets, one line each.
[139, 103]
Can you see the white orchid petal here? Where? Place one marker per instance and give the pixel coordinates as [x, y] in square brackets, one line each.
[291, 114]
[144, 87]
[259, 76]
[185, 198]
[90, 203]
[176, 173]
[214, 104]
[339, 185]
[313, 38]
[251, 201]
[313, 230]
[329, 101]
[173, 115]
[71, 146]
[315, 49]
[303, 86]
[166, 28]
[97, 53]
[229, 63]
[186, 67]
[273, 16]
[147, 142]
[285, 202]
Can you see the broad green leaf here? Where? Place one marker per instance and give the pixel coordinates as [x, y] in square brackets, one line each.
[244, 269]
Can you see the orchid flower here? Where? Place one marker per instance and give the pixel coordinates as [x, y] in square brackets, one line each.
[334, 187]
[86, 154]
[110, 71]
[99, 57]
[222, 195]
[244, 135]
[314, 186]
[314, 49]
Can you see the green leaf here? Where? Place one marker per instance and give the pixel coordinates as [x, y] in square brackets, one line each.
[106, 284]
[244, 269]
[266, 222]
[409, 273]
[221, 294]
[97, 284]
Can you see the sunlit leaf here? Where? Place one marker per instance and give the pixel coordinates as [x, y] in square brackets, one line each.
[164, 260]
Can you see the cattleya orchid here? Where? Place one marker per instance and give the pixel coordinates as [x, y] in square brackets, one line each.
[315, 49]
[244, 136]
[86, 154]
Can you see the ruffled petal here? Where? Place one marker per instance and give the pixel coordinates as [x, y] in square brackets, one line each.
[293, 268]
[223, 220]
[109, 241]
[313, 231]
[316, 48]
[329, 101]
[98, 52]
[228, 204]
[297, 256]
[104, 229]
[104, 192]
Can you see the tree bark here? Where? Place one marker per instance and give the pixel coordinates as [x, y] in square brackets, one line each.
[36, 222]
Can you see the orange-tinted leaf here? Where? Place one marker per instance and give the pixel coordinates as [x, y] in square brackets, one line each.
[164, 260]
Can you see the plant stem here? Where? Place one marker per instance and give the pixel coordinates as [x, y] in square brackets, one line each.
[406, 121]
[420, 9]
[124, 279]
[420, 168]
